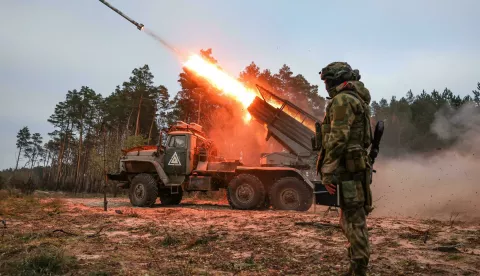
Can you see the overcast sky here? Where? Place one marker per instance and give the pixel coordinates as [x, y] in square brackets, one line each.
[49, 47]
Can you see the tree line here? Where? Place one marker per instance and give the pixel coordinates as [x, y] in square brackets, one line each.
[409, 120]
[90, 129]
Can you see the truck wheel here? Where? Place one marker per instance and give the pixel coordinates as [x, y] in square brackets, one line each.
[143, 190]
[291, 193]
[246, 192]
[167, 198]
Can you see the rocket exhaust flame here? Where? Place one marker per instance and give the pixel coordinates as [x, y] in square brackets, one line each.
[236, 90]
[222, 81]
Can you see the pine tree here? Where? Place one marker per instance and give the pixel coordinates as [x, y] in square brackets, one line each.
[33, 150]
[23, 138]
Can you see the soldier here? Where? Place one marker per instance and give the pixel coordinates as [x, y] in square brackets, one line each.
[346, 136]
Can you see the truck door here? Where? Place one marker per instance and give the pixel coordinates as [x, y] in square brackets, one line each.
[176, 155]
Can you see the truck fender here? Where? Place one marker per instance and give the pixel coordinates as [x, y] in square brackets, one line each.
[158, 168]
[310, 184]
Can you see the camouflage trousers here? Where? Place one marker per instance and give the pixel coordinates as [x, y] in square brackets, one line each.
[354, 227]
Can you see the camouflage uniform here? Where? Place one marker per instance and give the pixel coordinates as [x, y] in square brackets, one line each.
[346, 135]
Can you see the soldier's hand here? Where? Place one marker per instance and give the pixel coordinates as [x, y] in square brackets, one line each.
[331, 188]
[327, 180]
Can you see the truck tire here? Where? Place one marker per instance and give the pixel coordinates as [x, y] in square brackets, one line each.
[246, 192]
[291, 193]
[167, 198]
[143, 190]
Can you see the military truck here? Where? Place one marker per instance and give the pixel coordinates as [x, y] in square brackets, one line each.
[188, 161]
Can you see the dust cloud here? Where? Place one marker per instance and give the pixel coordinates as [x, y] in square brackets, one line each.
[439, 186]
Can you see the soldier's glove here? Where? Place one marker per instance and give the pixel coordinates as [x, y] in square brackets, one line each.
[327, 181]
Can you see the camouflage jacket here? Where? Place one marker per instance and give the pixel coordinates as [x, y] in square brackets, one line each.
[346, 124]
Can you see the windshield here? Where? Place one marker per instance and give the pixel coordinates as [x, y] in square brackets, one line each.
[177, 141]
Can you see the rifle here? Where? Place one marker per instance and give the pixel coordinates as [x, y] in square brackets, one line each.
[317, 139]
[317, 145]
[377, 137]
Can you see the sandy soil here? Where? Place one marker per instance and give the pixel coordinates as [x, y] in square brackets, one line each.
[208, 238]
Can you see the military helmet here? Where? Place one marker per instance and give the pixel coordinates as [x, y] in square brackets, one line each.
[339, 71]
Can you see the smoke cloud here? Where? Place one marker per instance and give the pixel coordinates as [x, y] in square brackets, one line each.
[439, 185]
[462, 127]
[236, 139]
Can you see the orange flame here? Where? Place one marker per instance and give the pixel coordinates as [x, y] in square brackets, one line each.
[233, 88]
[222, 81]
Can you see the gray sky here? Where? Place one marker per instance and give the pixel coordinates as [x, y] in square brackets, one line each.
[49, 47]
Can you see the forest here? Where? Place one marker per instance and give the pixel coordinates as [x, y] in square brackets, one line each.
[89, 129]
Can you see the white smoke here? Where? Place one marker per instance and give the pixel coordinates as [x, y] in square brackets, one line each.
[462, 126]
[440, 185]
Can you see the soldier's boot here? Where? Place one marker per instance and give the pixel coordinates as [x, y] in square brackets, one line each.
[351, 266]
[359, 268]
[356, 270]
[349, 272]
[360, 271]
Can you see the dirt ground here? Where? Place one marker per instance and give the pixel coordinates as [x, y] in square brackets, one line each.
[208, 238]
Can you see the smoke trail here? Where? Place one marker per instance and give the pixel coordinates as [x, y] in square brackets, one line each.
[162, 41]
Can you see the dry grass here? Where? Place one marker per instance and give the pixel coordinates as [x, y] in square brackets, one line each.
[205, 238]
[45, 260]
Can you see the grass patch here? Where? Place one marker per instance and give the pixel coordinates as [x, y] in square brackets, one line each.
[15, 205]
[54, 207]
[18, 205]
[202, 240]
[4, 194]
[30, 236]
[98, 273]
[389, 243]
[454, 257]
[184, 270]
[47, 260]
[131, 213]
[410, 265]
[250, 260]
[410, 236]
[169, 240]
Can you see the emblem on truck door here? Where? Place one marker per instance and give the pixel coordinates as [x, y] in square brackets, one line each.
[174, 161]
